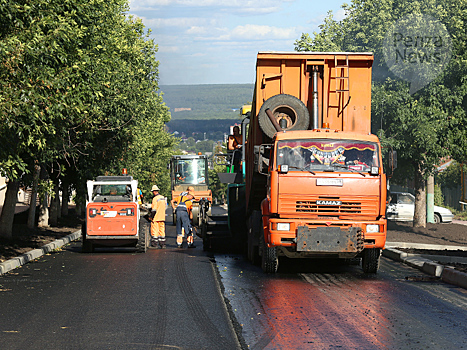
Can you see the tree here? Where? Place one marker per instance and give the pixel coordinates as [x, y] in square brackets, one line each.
[422, 126]
[78, 81]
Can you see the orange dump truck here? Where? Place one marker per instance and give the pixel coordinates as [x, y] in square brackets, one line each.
[314, 180]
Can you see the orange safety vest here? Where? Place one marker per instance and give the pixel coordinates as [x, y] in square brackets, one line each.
[183, 202]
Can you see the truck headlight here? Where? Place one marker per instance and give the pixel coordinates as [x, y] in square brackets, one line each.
[282, 226]
[372, 228]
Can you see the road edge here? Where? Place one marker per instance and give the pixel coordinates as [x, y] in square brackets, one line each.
[445, 273]
[18, 261]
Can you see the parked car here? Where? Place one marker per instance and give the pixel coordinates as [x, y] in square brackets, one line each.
[402, 205]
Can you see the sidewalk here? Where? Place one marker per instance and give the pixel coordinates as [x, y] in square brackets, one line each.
[445, 273]
[13, 263]
[20, 207]
[460, 222]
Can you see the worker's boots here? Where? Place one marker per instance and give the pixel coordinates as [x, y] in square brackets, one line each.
[154, 242]
[162, 243]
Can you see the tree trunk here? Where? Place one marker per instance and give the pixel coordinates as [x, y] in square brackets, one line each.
[8, 211]
[65, 199]
[44, 208]
[54, 205]
[430, 199]
[44, 212]
[33, 202]
[80, 201]
[419, 217]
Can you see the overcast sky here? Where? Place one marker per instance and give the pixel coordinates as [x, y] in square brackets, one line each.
[216, 41]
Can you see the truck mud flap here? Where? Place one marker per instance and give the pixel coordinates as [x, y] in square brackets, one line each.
[329, 240]
[230, 178]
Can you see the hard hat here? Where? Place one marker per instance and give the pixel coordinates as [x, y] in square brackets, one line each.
[154, 188]
[191, 188]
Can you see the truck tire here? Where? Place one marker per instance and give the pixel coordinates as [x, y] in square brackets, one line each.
[143, 238]
[269, 258]
[287, 106]
[86, 247]
[370, 260]
[253, 237]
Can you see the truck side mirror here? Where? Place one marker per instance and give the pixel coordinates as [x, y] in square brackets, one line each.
[264, 153]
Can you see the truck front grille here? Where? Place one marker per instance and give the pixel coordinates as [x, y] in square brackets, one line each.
[344, 208]
[329, 206]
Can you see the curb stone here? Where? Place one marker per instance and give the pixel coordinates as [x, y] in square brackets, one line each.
[446, 274]
[13, 263]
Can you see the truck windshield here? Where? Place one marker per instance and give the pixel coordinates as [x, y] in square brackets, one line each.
[190, 171]
[111, 192]
[327, 155]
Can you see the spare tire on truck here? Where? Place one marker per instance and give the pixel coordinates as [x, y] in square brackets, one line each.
[284, 106]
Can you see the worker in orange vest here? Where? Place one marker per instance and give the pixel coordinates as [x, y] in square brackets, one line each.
[157, 218]
[183, 209]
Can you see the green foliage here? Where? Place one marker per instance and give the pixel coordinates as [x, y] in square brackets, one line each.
[451, 176]
[422, 127]
[438, 196]
[79, 92]
[329, 39]
[218, 189]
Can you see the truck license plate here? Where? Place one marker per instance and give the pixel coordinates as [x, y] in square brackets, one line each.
[329, 182]
[109, 214]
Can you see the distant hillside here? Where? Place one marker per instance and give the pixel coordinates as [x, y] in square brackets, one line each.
[213, 129]
[209, 101]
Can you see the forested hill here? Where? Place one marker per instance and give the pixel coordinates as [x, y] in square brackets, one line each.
[205, 111]
[209, 101]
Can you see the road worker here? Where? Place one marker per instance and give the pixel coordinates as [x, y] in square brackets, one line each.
[182, 206]
[157, 218]
[139, 194]
[235, 145]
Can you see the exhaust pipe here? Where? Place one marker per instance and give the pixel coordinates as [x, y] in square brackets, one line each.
[273, 120]
[315, 110]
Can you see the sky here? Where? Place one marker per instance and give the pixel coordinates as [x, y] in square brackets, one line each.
[216, 41]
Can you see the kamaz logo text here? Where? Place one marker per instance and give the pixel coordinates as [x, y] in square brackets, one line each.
[328, 202]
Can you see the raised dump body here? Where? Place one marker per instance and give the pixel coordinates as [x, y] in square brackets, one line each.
[314, 177]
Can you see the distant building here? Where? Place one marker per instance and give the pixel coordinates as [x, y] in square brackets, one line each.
[181, 109]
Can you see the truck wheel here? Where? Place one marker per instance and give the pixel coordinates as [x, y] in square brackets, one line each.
[269, 258]
[284, 106]
[437, 218]
[86, 247]
[143, 238]
[370, 260]
[206, 238]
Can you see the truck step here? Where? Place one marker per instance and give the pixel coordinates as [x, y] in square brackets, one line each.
[219, 233]
[217, 223]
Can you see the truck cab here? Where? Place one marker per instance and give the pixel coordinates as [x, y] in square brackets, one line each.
[326, 194]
